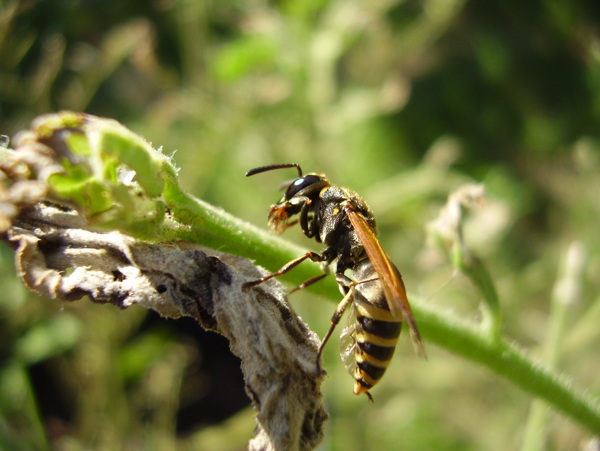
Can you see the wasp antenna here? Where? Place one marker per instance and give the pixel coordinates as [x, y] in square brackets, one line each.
[273, 167]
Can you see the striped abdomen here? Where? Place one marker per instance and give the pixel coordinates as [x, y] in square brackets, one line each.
[370, 337]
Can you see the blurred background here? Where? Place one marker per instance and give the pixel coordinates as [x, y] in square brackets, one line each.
[404, 101]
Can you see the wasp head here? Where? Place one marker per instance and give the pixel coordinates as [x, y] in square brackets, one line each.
[300, 193]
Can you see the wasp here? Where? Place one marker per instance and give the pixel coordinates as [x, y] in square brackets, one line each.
[340, 219]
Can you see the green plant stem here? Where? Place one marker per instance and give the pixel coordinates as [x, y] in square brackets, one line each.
[214, 228]
[509, 362]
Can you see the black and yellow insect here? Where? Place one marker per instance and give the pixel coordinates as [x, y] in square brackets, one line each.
[339, 218]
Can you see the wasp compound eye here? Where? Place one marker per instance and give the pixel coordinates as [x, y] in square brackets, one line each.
[301, 183]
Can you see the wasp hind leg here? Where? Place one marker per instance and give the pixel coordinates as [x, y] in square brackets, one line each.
[350, 286]
[335, 319]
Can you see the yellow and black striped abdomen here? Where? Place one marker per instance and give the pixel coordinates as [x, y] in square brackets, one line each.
[371, 339]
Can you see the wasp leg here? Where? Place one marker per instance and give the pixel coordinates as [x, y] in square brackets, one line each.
[305, 219]
[335, 319]
[313, 256]
[309, 282]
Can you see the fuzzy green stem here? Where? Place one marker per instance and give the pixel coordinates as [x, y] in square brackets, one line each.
[509, 362]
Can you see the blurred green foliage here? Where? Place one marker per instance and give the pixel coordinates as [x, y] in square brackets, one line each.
[403, 101]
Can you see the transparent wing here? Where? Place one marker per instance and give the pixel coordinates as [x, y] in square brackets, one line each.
[348, 341]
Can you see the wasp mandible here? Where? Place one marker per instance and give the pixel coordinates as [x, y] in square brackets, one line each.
[341, 220]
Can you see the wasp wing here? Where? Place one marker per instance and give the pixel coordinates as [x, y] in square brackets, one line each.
[393, 286]
[348, 341]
